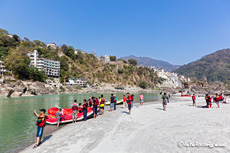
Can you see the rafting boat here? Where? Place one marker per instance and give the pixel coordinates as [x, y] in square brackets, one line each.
[67, 117]
[185, 95]
[118, 102]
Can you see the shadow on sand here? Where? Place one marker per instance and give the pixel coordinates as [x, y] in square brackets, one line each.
[159, 108]
[125, 112]
[46, 138]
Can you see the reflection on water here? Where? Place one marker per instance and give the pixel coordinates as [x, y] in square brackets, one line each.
[17, 122]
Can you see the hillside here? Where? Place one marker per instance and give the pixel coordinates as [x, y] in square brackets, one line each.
[13, 51]
[146, 61]
[214, 67]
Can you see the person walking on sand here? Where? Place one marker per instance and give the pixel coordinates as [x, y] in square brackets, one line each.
[129, 103]
[41, 123]
[141, 99]
[85, 108]
[111, 103]
[132, 99]
[115, 102]
[217, 99]
[75, 111]
[194, 99]
[164, 102]
[102, 105]
[124, 101]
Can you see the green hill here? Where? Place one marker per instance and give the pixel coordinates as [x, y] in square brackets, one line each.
[13, 52]
[214, 67]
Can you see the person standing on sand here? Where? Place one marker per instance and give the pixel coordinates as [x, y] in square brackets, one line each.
[115, 102]
[164, 102]
[58, 116]
[141, 99]
[129, 103]
[208, 101]
[124, 101]
[85, 108]
[102, 104]
[132, 99]
[217, 100]
[90, 102]
[95, 105]
[75, 111]
[194, 99]
[111, 103]
[168, 97]
[41, 123]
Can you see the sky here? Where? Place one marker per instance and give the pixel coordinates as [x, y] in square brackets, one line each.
[176, 31]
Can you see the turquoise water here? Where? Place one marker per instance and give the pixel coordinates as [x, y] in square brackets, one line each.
[17, 122]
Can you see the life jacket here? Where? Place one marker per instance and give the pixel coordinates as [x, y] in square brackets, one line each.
[209, 99]
[74, 107]
[132, 98]
[220, 97]
[40, 122]
[80, 109]
[102, 101]
[129, 100]
[85, 106]
[97, 102]
[90, 102]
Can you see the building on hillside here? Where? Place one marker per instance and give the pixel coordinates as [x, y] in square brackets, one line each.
[80, 82]
[3, 70]
[76, 52]
[50, 67]
[52, 45]
[107, 59]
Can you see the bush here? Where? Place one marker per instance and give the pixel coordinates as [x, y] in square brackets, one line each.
[132, 62]
[120, 71]
[113, 58]
[143, 84]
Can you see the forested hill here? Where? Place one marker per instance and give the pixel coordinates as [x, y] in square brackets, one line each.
[214, 67]
[147, 61]
[74, 63]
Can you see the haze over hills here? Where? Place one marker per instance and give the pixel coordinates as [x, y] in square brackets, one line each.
[215, 67]
[147, 61]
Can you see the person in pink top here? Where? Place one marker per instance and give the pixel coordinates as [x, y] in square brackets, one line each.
[141, 99]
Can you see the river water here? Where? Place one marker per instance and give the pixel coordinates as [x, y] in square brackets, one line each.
[17, 122]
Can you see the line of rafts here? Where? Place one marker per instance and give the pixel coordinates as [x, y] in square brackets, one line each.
[67, 114]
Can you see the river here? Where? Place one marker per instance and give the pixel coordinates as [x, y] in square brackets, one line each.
[17, 122]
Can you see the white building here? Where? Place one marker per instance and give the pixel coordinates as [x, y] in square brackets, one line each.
[107, 59]
[50, 67]
[3, 70]
[80, 82]
[52, 45]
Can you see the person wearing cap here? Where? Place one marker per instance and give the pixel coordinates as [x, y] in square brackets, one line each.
[41, 123]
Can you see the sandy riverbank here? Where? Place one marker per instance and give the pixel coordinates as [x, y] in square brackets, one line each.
[148, 129]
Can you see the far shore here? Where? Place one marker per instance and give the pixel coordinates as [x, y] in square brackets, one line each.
[147, 129]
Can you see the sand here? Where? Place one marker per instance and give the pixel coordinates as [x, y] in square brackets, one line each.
[148, 129]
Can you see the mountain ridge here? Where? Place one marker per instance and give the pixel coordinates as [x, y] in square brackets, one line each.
[147, 61]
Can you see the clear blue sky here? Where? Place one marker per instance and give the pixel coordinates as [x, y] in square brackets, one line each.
[177, 31]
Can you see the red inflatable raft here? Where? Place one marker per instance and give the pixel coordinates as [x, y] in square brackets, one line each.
[185, 95]
[67, 117]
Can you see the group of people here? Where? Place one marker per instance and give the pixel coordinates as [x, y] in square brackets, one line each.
[93, 102]
[211, 99]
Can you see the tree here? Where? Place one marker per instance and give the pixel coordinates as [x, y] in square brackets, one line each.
[3, 32]
[16, 61]
[143, 84]
[113, 58]
[132, 62]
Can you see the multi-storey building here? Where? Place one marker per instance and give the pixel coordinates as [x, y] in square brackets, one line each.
[3, 70]
[50, 67]
[80, 82]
